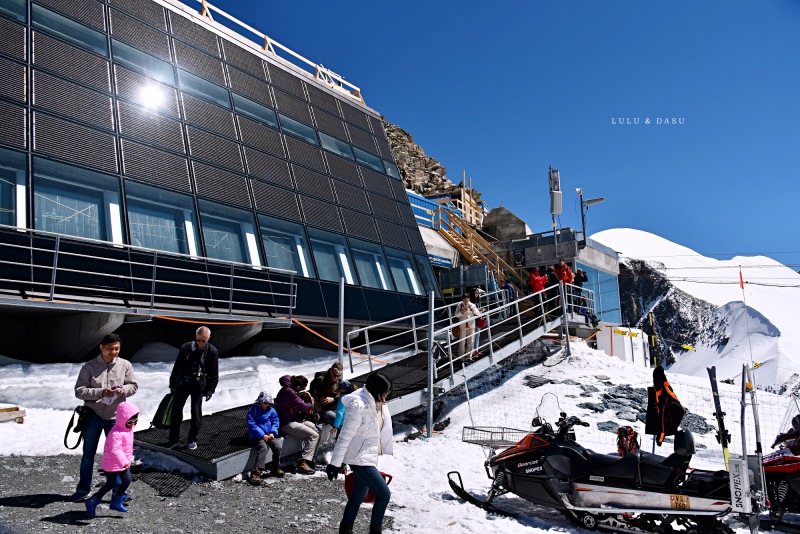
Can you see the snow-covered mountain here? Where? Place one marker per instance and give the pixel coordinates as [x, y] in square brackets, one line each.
[708, 309]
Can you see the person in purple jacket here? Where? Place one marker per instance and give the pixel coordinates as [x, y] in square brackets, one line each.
[293, 406]
[262, 431]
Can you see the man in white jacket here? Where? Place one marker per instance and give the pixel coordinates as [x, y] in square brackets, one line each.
[365, 435]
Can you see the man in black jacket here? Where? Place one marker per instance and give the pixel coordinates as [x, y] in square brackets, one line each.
[195, 374]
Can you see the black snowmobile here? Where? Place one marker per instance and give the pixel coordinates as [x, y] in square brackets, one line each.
[636, 492]
[782, 472]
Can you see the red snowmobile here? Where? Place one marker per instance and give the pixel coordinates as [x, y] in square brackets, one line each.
[782, 472]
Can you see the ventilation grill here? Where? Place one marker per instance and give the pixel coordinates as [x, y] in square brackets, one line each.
[214, 149]
[12, 39]
[376, 182]
[130, 85]
[209, 116]
[284, 80]
[343, 169]
[415, 239]
[221, 185]
[145, 10]
[88, 12]
[243, 59]
[12, 127]
[12, 83]
[383, 207]
[297, 109]
[201, 64]
[250, 87]
[305, 154]
[71, 142]
[351, 196]
[362, 140]
[153, 129]
[321, 214]
[330, 125]
[321, 99]
[276, 201]
[354, 116]
[392, 235]
[359, 225]
[399, 190]
[140, 35]
[312, 183]
[265, 167]
[261, 137]
[406, 215]
[70, 62]
[154, 166]
[386, 150]
[65, 98]
[377, 127]
[194, 34]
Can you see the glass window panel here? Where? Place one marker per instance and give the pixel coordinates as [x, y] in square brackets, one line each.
[428, 278]
[13, 178]
[229, 233]
[335, 145]
[404, 271]
[371, 265]
[203, 88]
[255, 110]
[72, 201]
[332, 256]
[391, 169]
[161, 219]
[15, 9]
[606, 293]
[69, 30]
[298, 129]
[141, 62]
[286, 247]
[365, 158]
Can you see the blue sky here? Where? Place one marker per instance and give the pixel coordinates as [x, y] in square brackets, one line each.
[503, 90]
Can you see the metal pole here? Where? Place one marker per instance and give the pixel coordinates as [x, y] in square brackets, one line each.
[230, 294]
[759, 450]
[430, 364]
[564, 321]
[414, 330]
[153, 285]
[55, 269]
[519, 322]
[341, 321]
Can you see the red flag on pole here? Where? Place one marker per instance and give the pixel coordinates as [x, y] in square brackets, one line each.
[741, 280]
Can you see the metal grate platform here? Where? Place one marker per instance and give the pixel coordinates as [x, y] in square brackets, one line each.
[166, 484]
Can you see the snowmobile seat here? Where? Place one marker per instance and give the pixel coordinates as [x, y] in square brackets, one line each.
[658, 471]
[613, 466]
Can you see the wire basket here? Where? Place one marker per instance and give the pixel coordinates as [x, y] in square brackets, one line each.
[492, 436]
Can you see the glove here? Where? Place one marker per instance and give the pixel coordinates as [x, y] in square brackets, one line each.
[333, 472]
[208, 396]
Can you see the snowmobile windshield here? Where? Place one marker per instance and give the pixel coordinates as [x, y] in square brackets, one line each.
[548, 412]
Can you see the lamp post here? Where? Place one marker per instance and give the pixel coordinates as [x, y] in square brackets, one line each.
[584, 206]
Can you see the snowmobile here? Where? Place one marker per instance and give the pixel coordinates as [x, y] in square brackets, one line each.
[636, 492]
[782, 472]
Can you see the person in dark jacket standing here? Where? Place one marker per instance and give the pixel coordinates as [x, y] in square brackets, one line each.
[262, 431]
[580, 279]
[293, 405]
[552, 290]
[194, 375]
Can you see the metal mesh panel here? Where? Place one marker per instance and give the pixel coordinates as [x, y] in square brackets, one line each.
[74, 101]
[221, 185]
[286, 81]
[139, 35]
[406, 215]
[376, 182]
[399, 190]
[360, 225]
[12, 127]
[266, 167]
[362, 140]
[129, 87]
[415, 239]
[12, 82]
[154, 166]
[354, 116]
[56, 137]
[12, 39]
[145, 10]
[305, 154]
[201, 64]
[209, 116]
[248, 86]
[261, 137]
[343, 169]
[330, 125]
[383, 207]
[312, 183]
[153, 129]
[321, 99]
[377, 127]
[165, 484]
[87, 12]
[351, 196]
[244, 60]
[321, 214]
[214, 149]
[392, 235]
[194, 34]
[385, 149]
[71, 62]
[276, 201]
[296, 109]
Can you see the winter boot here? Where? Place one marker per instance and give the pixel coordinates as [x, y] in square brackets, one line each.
[276, 471]
[375, 529]
[255, 476]
[116, 504]
[345, 529]
[91, 506]
[304, 469]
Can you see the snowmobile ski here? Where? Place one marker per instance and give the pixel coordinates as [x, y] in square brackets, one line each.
[458, 489]
[723, 436]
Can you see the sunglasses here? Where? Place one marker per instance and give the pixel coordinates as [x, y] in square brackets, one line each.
[201, 341]
[131, 422]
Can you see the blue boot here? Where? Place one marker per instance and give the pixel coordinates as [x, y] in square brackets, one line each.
[116, 504]
[91, 506]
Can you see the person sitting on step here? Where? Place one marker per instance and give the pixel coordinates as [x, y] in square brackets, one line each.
[262, 431]
[293, 413]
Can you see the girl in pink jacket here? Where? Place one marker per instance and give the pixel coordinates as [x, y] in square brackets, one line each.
[117, 457]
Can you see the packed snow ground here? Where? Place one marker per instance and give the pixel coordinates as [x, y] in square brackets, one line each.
[425, 502]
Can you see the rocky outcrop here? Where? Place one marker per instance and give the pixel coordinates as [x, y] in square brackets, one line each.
[421, 173]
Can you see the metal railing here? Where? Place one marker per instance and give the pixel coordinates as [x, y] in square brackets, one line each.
[66, 271]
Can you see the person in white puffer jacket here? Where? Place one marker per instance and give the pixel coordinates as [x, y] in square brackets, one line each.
[365, 435]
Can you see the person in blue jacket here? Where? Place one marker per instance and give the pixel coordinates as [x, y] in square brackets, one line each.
[262, 430]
